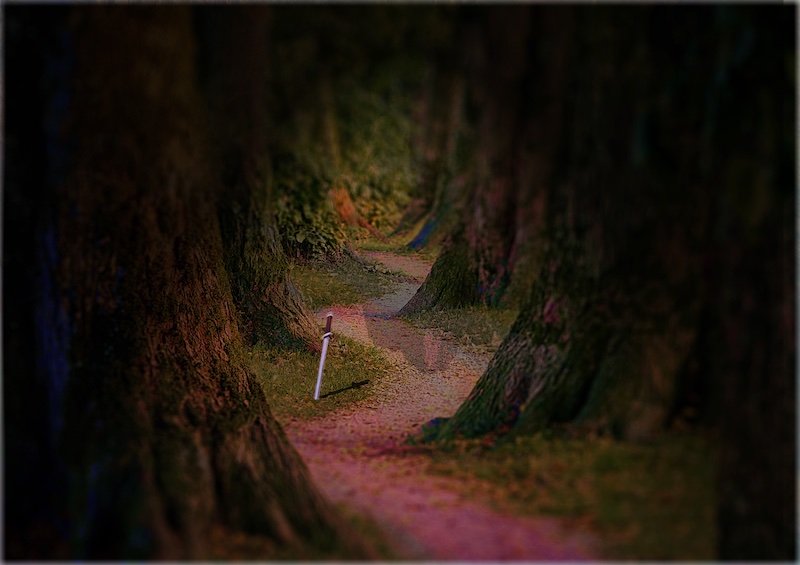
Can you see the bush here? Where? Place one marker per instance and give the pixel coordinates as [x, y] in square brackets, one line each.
[306, 220]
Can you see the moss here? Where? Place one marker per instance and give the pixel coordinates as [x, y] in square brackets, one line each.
[452, 283]
[542, 370]
[642, 502]
[341, 281]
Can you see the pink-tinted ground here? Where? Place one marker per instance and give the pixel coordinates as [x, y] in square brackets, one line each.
[358, 457]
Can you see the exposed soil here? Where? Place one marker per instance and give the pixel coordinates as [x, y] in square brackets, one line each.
[358, 455]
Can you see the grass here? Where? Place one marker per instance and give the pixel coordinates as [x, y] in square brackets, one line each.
[645, 502]
[341, 283]
[396, 244]
[371, 532]
[344, 282]
[476, 327]
[320, 287]
[289, 377]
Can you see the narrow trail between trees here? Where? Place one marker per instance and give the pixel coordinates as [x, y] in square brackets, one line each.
[357, 455]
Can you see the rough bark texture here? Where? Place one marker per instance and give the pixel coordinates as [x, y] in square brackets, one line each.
[552, 348]
[441, 193]
[498, 98]
[233, 53]
[751, 283]
[450, 284]
[140, 427]
[667, 269]
[479, 163]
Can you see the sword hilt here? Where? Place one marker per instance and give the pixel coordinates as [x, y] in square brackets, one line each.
[327, 335]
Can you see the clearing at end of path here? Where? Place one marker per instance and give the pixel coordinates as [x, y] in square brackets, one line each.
[357, 455]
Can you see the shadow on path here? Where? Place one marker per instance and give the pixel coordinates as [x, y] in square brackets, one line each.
[353, 385]
[358, 455]
[421, 349]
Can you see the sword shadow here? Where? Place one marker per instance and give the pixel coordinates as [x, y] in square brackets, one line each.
[354, 385]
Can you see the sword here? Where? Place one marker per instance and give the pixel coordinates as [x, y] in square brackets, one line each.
[326, 337]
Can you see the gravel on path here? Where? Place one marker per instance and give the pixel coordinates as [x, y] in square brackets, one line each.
[358, 457]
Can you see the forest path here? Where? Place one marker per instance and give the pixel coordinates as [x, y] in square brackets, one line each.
[357, 455]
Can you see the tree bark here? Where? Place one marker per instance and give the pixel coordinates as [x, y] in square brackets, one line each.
[141, 422]
[667, 266]
[478, 169]
[450, 284]
[602, 297]
[439, 193]
[234, 49]
[752, 284]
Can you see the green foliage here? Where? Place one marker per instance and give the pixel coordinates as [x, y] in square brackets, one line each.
[306, 220]
[351, 124]
[647, 502]
[289, 377]
[377, 160]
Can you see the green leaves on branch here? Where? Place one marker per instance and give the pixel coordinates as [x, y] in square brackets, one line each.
[307, 232]
[306, 220]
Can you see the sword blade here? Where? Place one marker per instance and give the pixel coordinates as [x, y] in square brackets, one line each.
[321, 365]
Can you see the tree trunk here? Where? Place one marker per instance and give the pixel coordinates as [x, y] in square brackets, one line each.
[668, 256]
[234, 50]
[602, 297]
[450, 284]
[441, 130]
[752, 284]
[489, 130]
[141, 428]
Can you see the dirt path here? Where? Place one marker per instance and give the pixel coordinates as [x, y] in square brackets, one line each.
[357, 456]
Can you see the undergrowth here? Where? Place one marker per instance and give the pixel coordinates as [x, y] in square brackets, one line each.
[342, 282]
[645, 502]
[306, 220]
[473, 326]
[396, 244]
[289, 378]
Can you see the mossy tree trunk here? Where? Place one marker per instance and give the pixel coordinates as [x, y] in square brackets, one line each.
[234, 55]
[138, 424]
[450, 284]
[486, 157]
[668, 262]
[438, 193]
